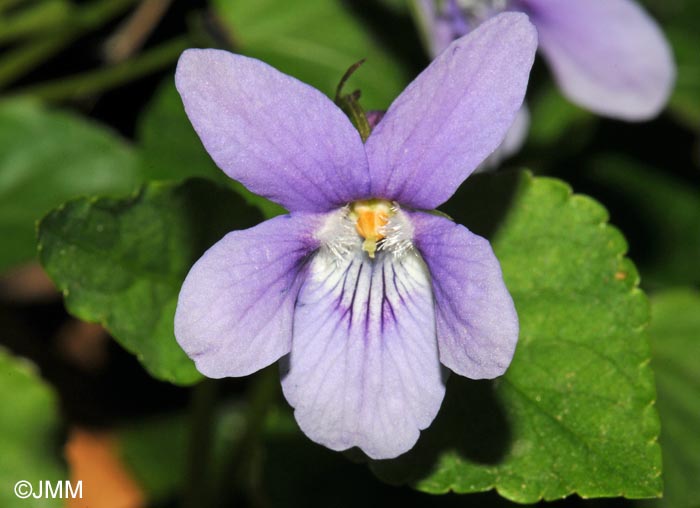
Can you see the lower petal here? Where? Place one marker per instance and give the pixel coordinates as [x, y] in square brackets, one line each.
[608, 55]
[477, 325]
[235, 309]
[364, 368]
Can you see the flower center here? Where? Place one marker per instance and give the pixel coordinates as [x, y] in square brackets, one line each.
[377, 227]
[371, 217]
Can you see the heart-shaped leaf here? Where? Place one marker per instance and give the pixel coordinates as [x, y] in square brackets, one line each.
[121, 262]
[575, 411]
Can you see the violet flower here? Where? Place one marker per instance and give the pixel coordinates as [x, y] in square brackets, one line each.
[608, 56]
[361, 292]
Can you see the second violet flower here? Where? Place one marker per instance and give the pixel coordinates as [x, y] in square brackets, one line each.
[362, 293]
[607, 56]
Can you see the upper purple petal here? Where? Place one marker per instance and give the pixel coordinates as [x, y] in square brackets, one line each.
[364, 368]
[454, 115]
[279, 137]
[235, 309]
[477, 325]
[608, 56]
[512, 143]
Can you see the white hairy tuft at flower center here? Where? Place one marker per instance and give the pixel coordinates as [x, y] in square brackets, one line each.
[369, 225]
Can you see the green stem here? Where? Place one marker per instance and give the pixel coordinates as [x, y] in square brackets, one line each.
[203, 408]
[20, 61]
[35, 19]
[237, 473]
[101, 80]
[350, 103]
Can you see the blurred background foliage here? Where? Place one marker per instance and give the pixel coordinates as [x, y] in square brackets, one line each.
[88, 108]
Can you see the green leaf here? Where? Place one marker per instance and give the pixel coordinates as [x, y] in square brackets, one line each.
[675, 340]
[665, 212]
[29, 425]
[47, 157]
[121, 262]
[171, 150]
[574, 413]
[315, 42]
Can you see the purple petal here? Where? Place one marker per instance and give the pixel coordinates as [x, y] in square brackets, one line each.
[364, 368]
[276, 135]
[608, 55]
[477, 325]
[513, 142]
[234, 314]
[454, 115]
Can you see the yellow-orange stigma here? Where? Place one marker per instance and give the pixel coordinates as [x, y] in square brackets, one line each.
[371, 217]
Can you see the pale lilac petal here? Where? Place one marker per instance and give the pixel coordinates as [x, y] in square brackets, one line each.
[454, 115]
[364, 368]
[608, 56]
[276, 135]
[235, 310]
[477, 325]
[513, 142]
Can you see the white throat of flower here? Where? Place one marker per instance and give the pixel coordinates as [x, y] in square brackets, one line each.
[373, 225]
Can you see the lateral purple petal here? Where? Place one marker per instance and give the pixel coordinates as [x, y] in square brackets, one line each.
[477, 325]
[608, 56]
[453, 115]
[279, 137]
[364, 368]
[512, 143]
[235, 309]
